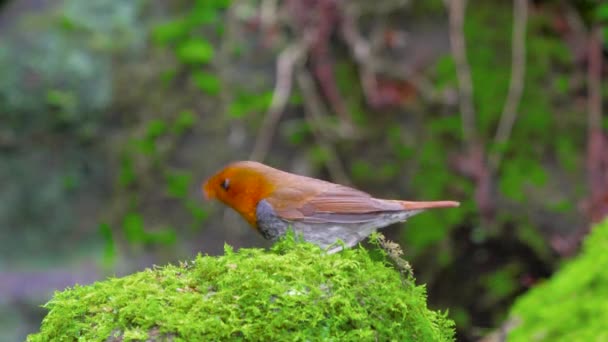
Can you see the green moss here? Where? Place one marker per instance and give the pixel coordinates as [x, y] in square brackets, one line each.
[573, 304]
[293, 292]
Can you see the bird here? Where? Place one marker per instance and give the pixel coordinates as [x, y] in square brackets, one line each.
[273, 201]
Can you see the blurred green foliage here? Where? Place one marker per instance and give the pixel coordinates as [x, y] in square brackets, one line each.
[573, 304]
[55, 87]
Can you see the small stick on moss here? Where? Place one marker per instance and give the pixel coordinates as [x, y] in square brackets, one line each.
[394, 252]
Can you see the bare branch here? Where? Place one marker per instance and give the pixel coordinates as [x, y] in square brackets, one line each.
[285, 65]
[597, 161]
[268, 13]
[594, 72]
[516, 84]
[456, 11]
[314, 112]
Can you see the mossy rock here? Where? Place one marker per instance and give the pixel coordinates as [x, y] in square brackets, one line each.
[292, 292]
[573, 304]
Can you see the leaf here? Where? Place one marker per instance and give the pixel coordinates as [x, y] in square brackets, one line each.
[109, 250]
[156, 128]
[170, 31]
[247, 103]
[178, 183]
[166, 236]
[602, 12]
[133, 227]
[207, 82]
[425, 230]
[195, 51]
[185, 120]
[199, 214]
[127, 172]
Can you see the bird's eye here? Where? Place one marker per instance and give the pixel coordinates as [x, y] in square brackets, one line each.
[225, 184]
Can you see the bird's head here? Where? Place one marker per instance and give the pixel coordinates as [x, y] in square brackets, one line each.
[241, 185]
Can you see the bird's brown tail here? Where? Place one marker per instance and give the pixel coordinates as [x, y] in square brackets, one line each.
[428, 205]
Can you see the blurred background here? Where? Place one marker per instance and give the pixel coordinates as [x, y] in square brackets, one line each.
[113, 112]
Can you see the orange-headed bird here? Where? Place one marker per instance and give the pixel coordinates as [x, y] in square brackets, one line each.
[273, 201]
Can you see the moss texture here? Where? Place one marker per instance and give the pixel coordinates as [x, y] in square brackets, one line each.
[573, 304]
[292, 292]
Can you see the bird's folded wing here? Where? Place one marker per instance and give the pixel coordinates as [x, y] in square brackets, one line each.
[336, 204]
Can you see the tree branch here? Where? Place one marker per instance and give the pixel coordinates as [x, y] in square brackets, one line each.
[314, 112]
[597, 161]
[456, 11]
[285, 66]
[594, 71]
[516, 84]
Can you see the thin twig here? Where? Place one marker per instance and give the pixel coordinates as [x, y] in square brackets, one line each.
[322, 63]
[223, 62]
[516, 84]
[456, 11]
[285, 65]
[314, 105]
[314, 112]
[594, 72]
[363, 54]
[268, 14]
[597, 162]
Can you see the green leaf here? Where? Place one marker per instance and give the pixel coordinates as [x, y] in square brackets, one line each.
[178, 183]
[361, 170]
[165, 236]
[170, 31]
[207, 82]
[156, 128]
[127, 172]
[185, 120]
[62, 99]
[109, 250]
[247, 103]
[204, 13]
[567, 153]
[198, 213]
[501, 283]
[195, 51]
[511, 181]
[602, 12]
[425, 230]
[133, 227]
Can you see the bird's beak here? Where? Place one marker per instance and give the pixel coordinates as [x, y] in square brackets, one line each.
[207, 191]
[429, 205]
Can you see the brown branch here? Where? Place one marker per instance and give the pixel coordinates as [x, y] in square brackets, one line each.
[367, 55]
[597, 160]
[223, 61]
[285, 66]
[456, 11]
[362, 52]
[322, 63]
[268, 14]
[473, 163]
[314, 112]
[594, 72]
[516, 84]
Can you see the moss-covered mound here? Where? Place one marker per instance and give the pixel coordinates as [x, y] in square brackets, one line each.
[293, 292]
[573, 304]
